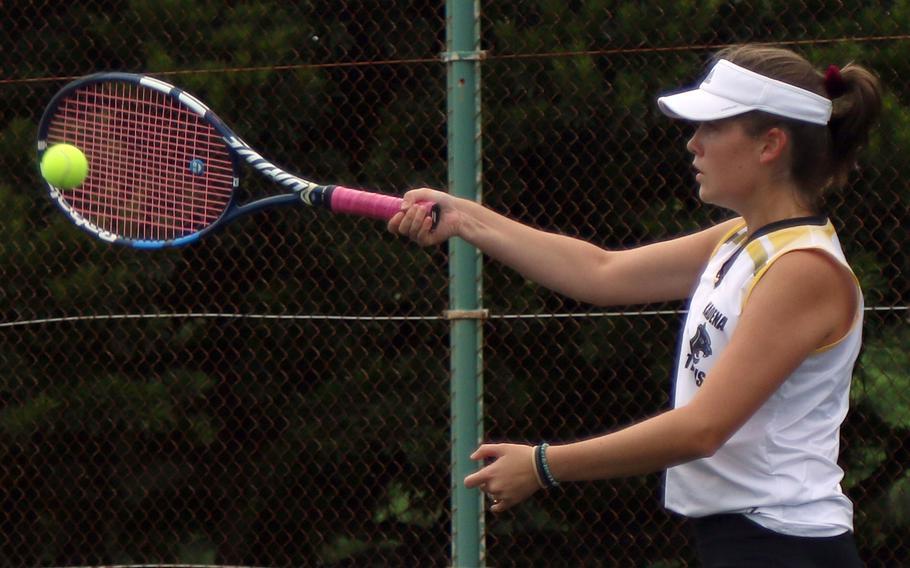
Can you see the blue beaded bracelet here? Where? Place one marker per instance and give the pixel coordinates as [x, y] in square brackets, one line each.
[543, 467]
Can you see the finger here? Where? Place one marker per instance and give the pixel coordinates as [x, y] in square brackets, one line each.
[486, 451]
[418, 194]
[395, 222]
[412, 221]
[499, 506]
[476, 479]
[410, 198]
[425, 233]
[407, 200]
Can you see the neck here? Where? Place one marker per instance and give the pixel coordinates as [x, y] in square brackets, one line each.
[774, 204]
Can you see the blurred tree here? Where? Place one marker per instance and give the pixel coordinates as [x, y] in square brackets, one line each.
[293, 442]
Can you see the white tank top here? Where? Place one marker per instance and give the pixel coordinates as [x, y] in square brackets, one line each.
[780, 468]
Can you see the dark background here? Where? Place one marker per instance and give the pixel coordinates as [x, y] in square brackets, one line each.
[279, 394]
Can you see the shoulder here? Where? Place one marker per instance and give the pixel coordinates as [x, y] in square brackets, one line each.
[807, 284]
[806, 269]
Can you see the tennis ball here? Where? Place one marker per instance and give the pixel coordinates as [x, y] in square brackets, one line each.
[64, 166]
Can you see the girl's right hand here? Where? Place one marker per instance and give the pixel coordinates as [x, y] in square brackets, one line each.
[413, 220]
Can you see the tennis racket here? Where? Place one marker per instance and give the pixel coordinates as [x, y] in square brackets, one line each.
[164, 170]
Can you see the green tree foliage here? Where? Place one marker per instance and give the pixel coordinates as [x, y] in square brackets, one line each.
[268, 440]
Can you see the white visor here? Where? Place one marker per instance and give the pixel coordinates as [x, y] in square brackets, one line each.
[729, 90]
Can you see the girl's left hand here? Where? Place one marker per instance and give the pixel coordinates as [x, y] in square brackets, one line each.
[509, 479]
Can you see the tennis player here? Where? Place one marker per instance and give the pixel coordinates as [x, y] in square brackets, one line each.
[762, 378]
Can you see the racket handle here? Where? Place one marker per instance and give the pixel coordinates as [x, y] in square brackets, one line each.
[369, 204]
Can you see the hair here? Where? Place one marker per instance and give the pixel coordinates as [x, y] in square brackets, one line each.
[821, 156]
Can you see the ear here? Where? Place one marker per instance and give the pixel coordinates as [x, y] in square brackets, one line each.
[774, 144]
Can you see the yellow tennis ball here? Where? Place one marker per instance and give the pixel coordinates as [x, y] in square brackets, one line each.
[64, 166]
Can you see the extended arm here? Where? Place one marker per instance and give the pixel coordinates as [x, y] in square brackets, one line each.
[659, 272]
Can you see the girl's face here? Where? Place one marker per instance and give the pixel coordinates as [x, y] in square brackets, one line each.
[726, 161]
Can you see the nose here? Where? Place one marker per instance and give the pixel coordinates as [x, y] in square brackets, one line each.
[693, 145]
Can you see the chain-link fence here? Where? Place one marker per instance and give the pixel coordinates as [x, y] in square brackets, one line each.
[277, 394]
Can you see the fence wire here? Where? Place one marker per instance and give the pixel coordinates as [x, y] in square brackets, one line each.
[278, 394]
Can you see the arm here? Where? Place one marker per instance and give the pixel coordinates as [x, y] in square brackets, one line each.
[659, 272]
[802, 303]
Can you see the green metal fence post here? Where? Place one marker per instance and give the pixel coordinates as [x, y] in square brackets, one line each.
[463, 106]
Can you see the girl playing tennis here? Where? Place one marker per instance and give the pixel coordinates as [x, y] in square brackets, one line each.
[774, 321]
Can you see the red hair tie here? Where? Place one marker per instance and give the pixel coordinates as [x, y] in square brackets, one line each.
[835, 85]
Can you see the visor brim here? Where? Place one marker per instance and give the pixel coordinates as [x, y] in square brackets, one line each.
[699, 106]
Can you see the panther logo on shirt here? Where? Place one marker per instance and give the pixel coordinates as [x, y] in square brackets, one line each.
[699, 348]
[700, 344]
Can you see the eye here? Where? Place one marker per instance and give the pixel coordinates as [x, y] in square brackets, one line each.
[710, 126]
[702, 129]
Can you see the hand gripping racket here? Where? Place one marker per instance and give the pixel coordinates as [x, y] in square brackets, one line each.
[164, 169]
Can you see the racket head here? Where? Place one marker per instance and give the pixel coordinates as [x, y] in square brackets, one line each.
[160, 171]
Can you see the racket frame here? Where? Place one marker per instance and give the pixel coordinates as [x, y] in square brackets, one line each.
[299, 189]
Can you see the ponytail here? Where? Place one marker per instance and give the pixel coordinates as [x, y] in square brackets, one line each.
[856, 94]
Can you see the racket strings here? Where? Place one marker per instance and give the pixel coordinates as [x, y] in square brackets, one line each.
[157, 170]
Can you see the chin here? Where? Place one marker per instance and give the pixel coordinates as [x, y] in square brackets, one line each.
[708, 199]
[704, 195]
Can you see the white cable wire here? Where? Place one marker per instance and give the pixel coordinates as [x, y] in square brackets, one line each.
[318, 317]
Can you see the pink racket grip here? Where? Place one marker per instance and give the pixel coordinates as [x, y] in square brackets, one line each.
[372, 205]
